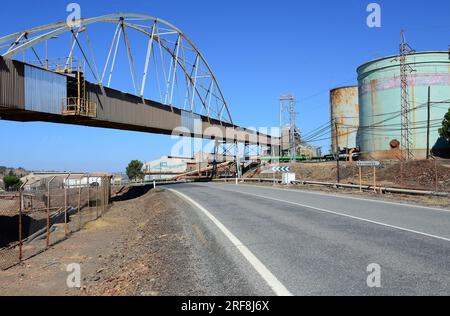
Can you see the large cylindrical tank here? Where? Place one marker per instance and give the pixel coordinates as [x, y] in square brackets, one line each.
[344, 116]
[380, 135]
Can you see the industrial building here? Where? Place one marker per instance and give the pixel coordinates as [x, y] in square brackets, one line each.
[380, 94]
[40, 180]
[292, 146]
[368, 117]
[168, 167]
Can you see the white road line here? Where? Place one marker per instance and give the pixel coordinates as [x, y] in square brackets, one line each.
[344, 215]
[272, 281]
[348, 197]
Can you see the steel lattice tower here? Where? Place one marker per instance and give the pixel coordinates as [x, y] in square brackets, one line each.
[405, 70]
[288, 118]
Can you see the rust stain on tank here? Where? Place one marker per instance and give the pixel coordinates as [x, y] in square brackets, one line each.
[345, 112]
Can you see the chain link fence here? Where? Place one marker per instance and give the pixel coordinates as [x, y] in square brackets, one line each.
[32, 220]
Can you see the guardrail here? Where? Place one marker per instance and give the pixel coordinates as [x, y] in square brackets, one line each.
[341, 185]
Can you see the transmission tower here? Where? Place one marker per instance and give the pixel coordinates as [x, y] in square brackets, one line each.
[405, 70]
[288, 118]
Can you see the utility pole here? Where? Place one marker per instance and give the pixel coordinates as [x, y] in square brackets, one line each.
[338, 174]
[216, 151]
[281, 126]
[293, 129]
[428, 122]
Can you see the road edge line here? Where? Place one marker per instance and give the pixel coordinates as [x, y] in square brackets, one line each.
[271, 280]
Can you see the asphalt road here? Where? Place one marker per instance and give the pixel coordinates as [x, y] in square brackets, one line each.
[303, 243]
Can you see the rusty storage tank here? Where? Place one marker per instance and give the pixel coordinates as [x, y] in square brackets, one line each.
[345, 112]
[379, 135]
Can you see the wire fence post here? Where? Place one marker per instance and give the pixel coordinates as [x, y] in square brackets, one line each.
[104, 194]
[48, 211]
[48, 216]
[79, 206]
[20, 219]
[88, 192]
[65, 209]
[96, 200]
[338, 174]
[66, 228]
[360, 179]
[20, 225]
[375, 179]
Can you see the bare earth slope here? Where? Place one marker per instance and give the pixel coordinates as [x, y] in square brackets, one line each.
[149, 243]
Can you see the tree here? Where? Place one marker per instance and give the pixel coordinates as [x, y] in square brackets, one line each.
[445, 130]
[12, 182]
[134, 170]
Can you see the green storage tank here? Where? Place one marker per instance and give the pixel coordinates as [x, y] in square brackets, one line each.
[379, 134]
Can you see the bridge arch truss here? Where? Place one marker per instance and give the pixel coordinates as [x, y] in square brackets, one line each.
[148, 56]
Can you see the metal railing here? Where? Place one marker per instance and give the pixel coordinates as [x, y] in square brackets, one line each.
[79, 106]
[62, 65]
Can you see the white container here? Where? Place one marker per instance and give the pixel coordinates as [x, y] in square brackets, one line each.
[288, 178]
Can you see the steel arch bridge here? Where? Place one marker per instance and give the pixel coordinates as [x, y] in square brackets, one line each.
[173, 70]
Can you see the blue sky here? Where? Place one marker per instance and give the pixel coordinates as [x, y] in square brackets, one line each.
[258, 50]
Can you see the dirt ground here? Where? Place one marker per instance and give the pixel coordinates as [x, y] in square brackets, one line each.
[427, 175]
[137, 248]
[422, 174]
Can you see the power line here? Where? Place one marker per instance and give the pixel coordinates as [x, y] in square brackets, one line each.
[372, 133]
[316, 134]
